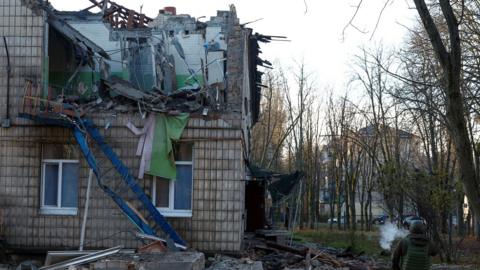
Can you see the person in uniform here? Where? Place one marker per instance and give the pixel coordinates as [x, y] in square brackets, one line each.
[414, 251]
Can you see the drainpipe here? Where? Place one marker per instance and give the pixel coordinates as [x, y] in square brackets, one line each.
[85, 212]
[6, 121]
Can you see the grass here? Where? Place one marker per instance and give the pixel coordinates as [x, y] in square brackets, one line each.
[368, 243]
[359, 241]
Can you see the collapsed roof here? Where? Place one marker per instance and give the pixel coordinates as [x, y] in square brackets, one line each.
[136, 63]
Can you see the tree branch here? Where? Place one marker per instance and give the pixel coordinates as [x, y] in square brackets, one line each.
[432, 31]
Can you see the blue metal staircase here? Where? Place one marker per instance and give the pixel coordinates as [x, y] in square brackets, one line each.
[121, 192]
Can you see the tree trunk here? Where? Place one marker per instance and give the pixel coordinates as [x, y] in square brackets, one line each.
[370, 213]
[353, 212]
[362, 216]
[460, 220]
[451, 67]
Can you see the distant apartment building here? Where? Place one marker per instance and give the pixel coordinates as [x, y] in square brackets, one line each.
[407, 146]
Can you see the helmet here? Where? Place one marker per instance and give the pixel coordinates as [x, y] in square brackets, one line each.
[417, 227]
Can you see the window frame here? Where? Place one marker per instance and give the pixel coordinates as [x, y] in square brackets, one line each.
[170, 211]
[56, 210]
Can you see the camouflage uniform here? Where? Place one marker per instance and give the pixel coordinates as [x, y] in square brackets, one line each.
[414, 251]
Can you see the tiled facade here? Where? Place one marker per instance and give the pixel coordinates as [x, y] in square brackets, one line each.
[218, 161]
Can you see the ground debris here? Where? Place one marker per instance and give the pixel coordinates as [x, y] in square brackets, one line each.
[450, 267]
[307, 256]
[220, 262]
[188, 260]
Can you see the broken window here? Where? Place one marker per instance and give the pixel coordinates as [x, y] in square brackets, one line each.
[59, 191]
[174, 197]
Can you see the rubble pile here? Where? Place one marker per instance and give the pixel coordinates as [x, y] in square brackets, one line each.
[122, 96]
[118, 95]
[271, 253]
[219, 262]
[312, 259]
[259, 254]
[275, 255]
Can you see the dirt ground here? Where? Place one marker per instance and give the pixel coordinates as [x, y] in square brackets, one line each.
[469, 251]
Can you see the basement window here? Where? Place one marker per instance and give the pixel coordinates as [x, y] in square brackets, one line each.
[173, 198]
[59, 190]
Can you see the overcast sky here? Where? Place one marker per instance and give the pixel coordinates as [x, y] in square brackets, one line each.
[316, 36]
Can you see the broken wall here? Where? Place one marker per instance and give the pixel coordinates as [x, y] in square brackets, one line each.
[176, 52]
[63, 61]
[85, 81]
[23, 31]
[135, 51]
[238, 94]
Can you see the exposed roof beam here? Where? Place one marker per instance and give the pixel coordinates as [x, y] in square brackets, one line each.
[72, 34]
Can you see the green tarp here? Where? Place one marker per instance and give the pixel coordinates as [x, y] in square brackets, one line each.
[167, 128]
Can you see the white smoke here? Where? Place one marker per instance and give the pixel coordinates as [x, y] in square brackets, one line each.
[390, 232]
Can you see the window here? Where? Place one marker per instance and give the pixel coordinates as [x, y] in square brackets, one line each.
[59, 191]
[173, 198]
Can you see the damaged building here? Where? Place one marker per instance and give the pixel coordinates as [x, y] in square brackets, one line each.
[144, 120]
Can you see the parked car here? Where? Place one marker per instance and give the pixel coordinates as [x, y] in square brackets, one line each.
[332, 220]
[335, 220]
[410, 219]
[380, 220]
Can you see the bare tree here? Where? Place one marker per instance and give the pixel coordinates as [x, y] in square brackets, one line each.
[449, 55]
[271, 129]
